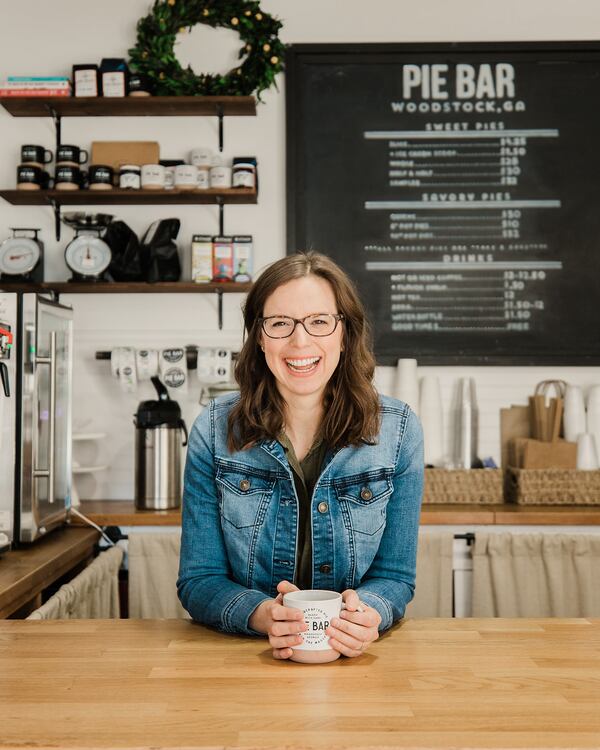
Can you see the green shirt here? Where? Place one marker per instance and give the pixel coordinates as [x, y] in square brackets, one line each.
[305, 473]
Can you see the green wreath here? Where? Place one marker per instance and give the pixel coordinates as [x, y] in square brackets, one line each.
[154, 56]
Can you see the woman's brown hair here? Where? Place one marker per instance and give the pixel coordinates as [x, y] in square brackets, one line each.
[350, 399]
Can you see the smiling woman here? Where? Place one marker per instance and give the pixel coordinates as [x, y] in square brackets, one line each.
[308, 478]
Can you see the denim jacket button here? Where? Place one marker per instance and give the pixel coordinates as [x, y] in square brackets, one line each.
[244, 485]
[322, 507]
[325, 569]
[366, 493]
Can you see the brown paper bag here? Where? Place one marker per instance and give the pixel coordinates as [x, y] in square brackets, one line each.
[541, 455]
[514, 423]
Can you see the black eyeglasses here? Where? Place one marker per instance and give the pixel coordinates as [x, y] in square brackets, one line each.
[282, 326]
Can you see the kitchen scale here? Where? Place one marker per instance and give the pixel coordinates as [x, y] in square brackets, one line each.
[87, 255]
[22, 257]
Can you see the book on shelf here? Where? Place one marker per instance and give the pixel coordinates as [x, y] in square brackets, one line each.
[34, 87]
[7, 84]
[39, 79]
[35, 92]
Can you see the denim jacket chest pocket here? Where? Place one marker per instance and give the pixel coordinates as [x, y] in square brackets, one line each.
[365, 499]
[243, 495]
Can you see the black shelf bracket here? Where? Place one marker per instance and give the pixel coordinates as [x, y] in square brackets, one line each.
[221, 215]
[56, 209]
[57, 125]
[220, 116]
[220, 307]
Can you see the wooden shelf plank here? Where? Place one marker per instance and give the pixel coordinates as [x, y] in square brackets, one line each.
[128, 287]
[25, 572]
[131, 106]
[547, 515]
[123, 513]
[127, 197]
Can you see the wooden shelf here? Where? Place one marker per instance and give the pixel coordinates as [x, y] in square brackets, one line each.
[128, 287]
[130, 106]
[127, 197]
[123, 513]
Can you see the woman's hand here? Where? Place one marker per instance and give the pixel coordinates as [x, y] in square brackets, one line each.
[352, 633]
[281, 624]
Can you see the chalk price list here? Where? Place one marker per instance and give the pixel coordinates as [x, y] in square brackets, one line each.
[464, 250]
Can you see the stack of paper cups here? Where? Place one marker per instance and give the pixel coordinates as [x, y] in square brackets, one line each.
[466, 424]
[407, 384]
[406, 387]
[574, 422]
[430, 413]
[593, 417]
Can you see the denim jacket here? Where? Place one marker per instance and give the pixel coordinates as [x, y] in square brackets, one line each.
[240, 516]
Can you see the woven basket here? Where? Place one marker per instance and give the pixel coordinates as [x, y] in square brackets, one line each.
[553, 486]
[463, 486]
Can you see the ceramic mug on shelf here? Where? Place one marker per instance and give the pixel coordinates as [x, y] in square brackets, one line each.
[220, 177]
[32, 177]
[100, 177]
[71, 155]
[186, 177]
[201, 157]
[37, 156]
[153, 177]
[67, 177]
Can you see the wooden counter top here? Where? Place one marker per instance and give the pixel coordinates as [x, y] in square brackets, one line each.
[25, 572]
[174, 684]
[123, 513]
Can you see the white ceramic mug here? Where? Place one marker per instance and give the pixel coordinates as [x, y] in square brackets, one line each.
[153, 177]
[320, 607]
[201, 157]
[186, 177]
[220, 177]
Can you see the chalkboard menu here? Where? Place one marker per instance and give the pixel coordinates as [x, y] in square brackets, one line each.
[459, 186]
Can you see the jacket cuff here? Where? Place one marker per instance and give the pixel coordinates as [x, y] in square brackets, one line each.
[238, 611]
[381, 605]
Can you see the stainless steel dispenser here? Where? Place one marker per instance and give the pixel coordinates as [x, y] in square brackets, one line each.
[158, 443]
[36, 355]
